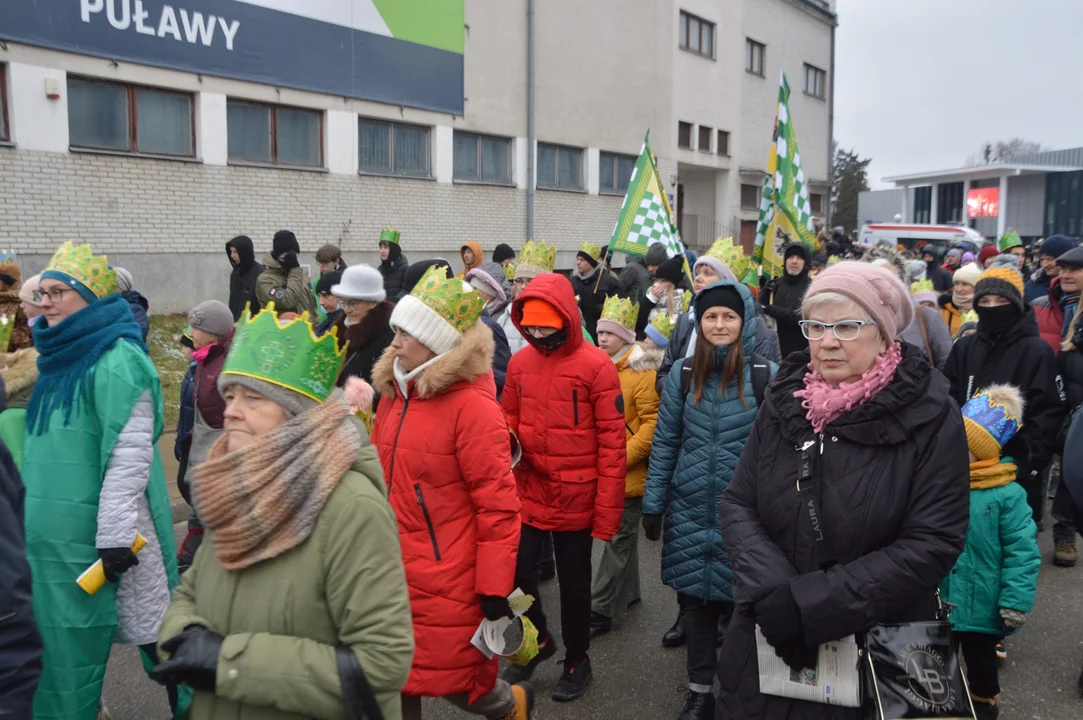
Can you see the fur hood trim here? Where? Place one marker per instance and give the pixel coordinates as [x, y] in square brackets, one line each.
[20, 370]
[471, 358]
[640, 359]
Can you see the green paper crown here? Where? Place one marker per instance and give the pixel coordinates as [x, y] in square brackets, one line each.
[921, 286]
[389, 235]
[7, 324]
[970, 316]
[590, 249]
[509, 272]
[536, 258]
[288, 355]
[730, 255]
[620, 310]
[663, 324]
[79, 263]
[453, 300]
[1010, 239]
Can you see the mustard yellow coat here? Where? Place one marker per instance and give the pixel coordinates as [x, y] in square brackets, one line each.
[637, 369]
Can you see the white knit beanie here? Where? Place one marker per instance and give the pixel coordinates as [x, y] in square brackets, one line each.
[424, 324]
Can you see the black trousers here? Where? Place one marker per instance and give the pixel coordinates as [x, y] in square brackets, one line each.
[701, 618]
[980, 652]
[572, 551]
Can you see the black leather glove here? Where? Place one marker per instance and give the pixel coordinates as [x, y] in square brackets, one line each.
[770, 311]
[495, 607]
[116, 561]
[288, 260]
[194, 660]
[652, 526]
[798, 656]
[779, 618]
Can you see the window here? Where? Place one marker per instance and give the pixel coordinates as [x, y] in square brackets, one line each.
[816, 203]
[815, 81]
[614, 172]
[754, 52]
[723, 143]
[949, 202]
[697, 35]
[684, 135]
[274, 134]
[923, 203]
[705, 139]
[393, 148]
[129, 118]
[4, 134]
[560, 168]
[482, 158]
[750, 197]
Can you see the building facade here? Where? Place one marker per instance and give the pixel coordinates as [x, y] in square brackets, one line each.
[157, 134]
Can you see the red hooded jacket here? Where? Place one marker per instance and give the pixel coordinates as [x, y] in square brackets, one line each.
[446, 455]
[566, 408]
[1050, 315]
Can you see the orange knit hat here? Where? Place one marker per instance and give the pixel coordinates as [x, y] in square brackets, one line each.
[539, 313]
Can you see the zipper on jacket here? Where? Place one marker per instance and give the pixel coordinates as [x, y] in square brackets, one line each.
[428, 520]
[575, 407]
[395, 446]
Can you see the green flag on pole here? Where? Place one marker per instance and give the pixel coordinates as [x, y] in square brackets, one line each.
[645, 217]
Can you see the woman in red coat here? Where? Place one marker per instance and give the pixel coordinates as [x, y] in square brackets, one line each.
[563, 400]
[446, 453]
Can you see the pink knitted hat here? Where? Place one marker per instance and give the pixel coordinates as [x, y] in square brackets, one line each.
[877, 290]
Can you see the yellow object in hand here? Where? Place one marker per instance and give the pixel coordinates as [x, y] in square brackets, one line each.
[93, 578]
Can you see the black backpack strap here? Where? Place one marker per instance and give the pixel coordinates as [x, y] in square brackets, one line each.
[356, 691]
[686, 377]
[761, 376]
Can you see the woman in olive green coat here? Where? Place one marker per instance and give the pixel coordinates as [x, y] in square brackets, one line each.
[302, 555]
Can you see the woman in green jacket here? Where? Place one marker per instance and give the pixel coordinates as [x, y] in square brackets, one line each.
[301, 573]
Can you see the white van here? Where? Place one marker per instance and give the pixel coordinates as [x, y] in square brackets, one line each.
[915, 237]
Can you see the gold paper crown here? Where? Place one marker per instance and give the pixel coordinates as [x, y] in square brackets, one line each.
[509, 271]
[970, 316]
[78, 263]
[620, 310]
[536, 258]
[663, 324]
[834, 260]
[453, 300]
[591, 250]
[730, 255]
[922, 286]
[8, 257]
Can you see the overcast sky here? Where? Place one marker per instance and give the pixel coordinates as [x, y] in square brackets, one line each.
[921, 84]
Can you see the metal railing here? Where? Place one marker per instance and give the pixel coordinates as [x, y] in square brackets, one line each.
[699, 231]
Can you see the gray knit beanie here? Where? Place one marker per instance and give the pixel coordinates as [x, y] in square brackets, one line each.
[294, 403]
[211, 316]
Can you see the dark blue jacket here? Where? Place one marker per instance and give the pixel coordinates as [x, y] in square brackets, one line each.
[695, 452]
[326, 325]
[502, 356]
[1037, 286]
[187, 418]
[139, 306]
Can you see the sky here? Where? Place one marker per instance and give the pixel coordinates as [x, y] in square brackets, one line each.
[922, 84]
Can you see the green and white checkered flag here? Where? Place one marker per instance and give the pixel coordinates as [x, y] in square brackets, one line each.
[645, 217]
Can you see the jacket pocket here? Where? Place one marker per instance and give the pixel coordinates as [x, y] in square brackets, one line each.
[575, 408]
[428, 521]
[578, 489]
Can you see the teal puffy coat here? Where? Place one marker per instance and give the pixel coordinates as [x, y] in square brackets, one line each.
[999, 567]
[694, 454]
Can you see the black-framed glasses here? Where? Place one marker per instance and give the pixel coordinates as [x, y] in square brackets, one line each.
[522, 281]
[54, 296]
[845, 330]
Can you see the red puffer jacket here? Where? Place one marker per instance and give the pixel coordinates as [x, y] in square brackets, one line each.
[567, 410]
[1050, 315]
[446, 455]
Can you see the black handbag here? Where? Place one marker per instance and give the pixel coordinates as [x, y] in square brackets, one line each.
[908, 670]
[356, 691]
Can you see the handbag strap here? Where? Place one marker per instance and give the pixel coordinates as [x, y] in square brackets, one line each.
[811, 493]
[925, 336]
[356, 692]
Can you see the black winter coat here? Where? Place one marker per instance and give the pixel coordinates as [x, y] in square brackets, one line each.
[634, 283]
[366, 342]
[242, 281]
[394, 271]
[1070, 365]
[1021, 358]
[895, 486]
[782, 301]
[20, 644]
[590, 302]
[502, 353]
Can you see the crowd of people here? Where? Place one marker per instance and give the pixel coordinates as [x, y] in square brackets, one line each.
[377, 457]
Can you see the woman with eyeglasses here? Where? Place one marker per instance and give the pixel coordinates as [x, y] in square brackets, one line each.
[364, 326]
[863, 431]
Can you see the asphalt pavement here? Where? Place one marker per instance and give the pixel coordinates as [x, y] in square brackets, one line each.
[635, 678]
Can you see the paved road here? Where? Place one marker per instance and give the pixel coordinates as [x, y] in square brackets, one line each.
[635, 676]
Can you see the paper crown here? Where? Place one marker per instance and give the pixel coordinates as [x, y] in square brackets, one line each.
[509, 271]
[1010, 239]
[970, 316]
[922, 286]
[453, 300]
[81, 265]
[991, 419]
[536, 258]
[686, 300]
[8, 257]
[389, 235]
[730, 255]
[664, 325]
[834, 260]
[620, 310]
[287, 354]
[752, 277]
[591, 250]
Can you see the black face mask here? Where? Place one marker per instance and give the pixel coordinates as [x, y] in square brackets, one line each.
[550, 342]
[995, 320]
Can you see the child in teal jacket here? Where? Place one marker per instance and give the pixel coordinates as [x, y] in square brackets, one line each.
[994, 582]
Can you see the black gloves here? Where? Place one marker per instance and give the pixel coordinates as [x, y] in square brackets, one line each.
[770, 311]
[495, 607]
[798, 656]
[116, 561]
[779, 618]
[652, 526]
[194, 660]
[288, 260]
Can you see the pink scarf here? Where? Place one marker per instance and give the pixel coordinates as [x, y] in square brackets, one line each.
[825, 403]
[201, 354]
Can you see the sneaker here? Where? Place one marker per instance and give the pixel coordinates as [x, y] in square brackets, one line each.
[524, 702]
[1065, 555]
[573, 682]
[697, 706]
[599, 624]
[1002, 652]
[517, 674]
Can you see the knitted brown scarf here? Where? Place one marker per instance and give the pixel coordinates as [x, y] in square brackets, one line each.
[263, 500]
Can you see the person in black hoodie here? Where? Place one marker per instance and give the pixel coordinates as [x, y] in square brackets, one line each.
[590, 289]
[393, 264]
[1007, 349]
[782, 298]
[242, 281]
[940, 278]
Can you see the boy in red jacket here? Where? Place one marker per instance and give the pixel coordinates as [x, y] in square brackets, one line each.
[563, 401]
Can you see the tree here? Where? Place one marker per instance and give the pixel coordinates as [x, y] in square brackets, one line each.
[849, 174]
[1004, 151]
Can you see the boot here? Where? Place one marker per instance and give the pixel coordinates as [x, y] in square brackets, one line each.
[985, 708]
[697, 706]
[1065, 555]
[674, 637]
[524, 702]
[517, 674]
[599, 624]
[573, 682]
